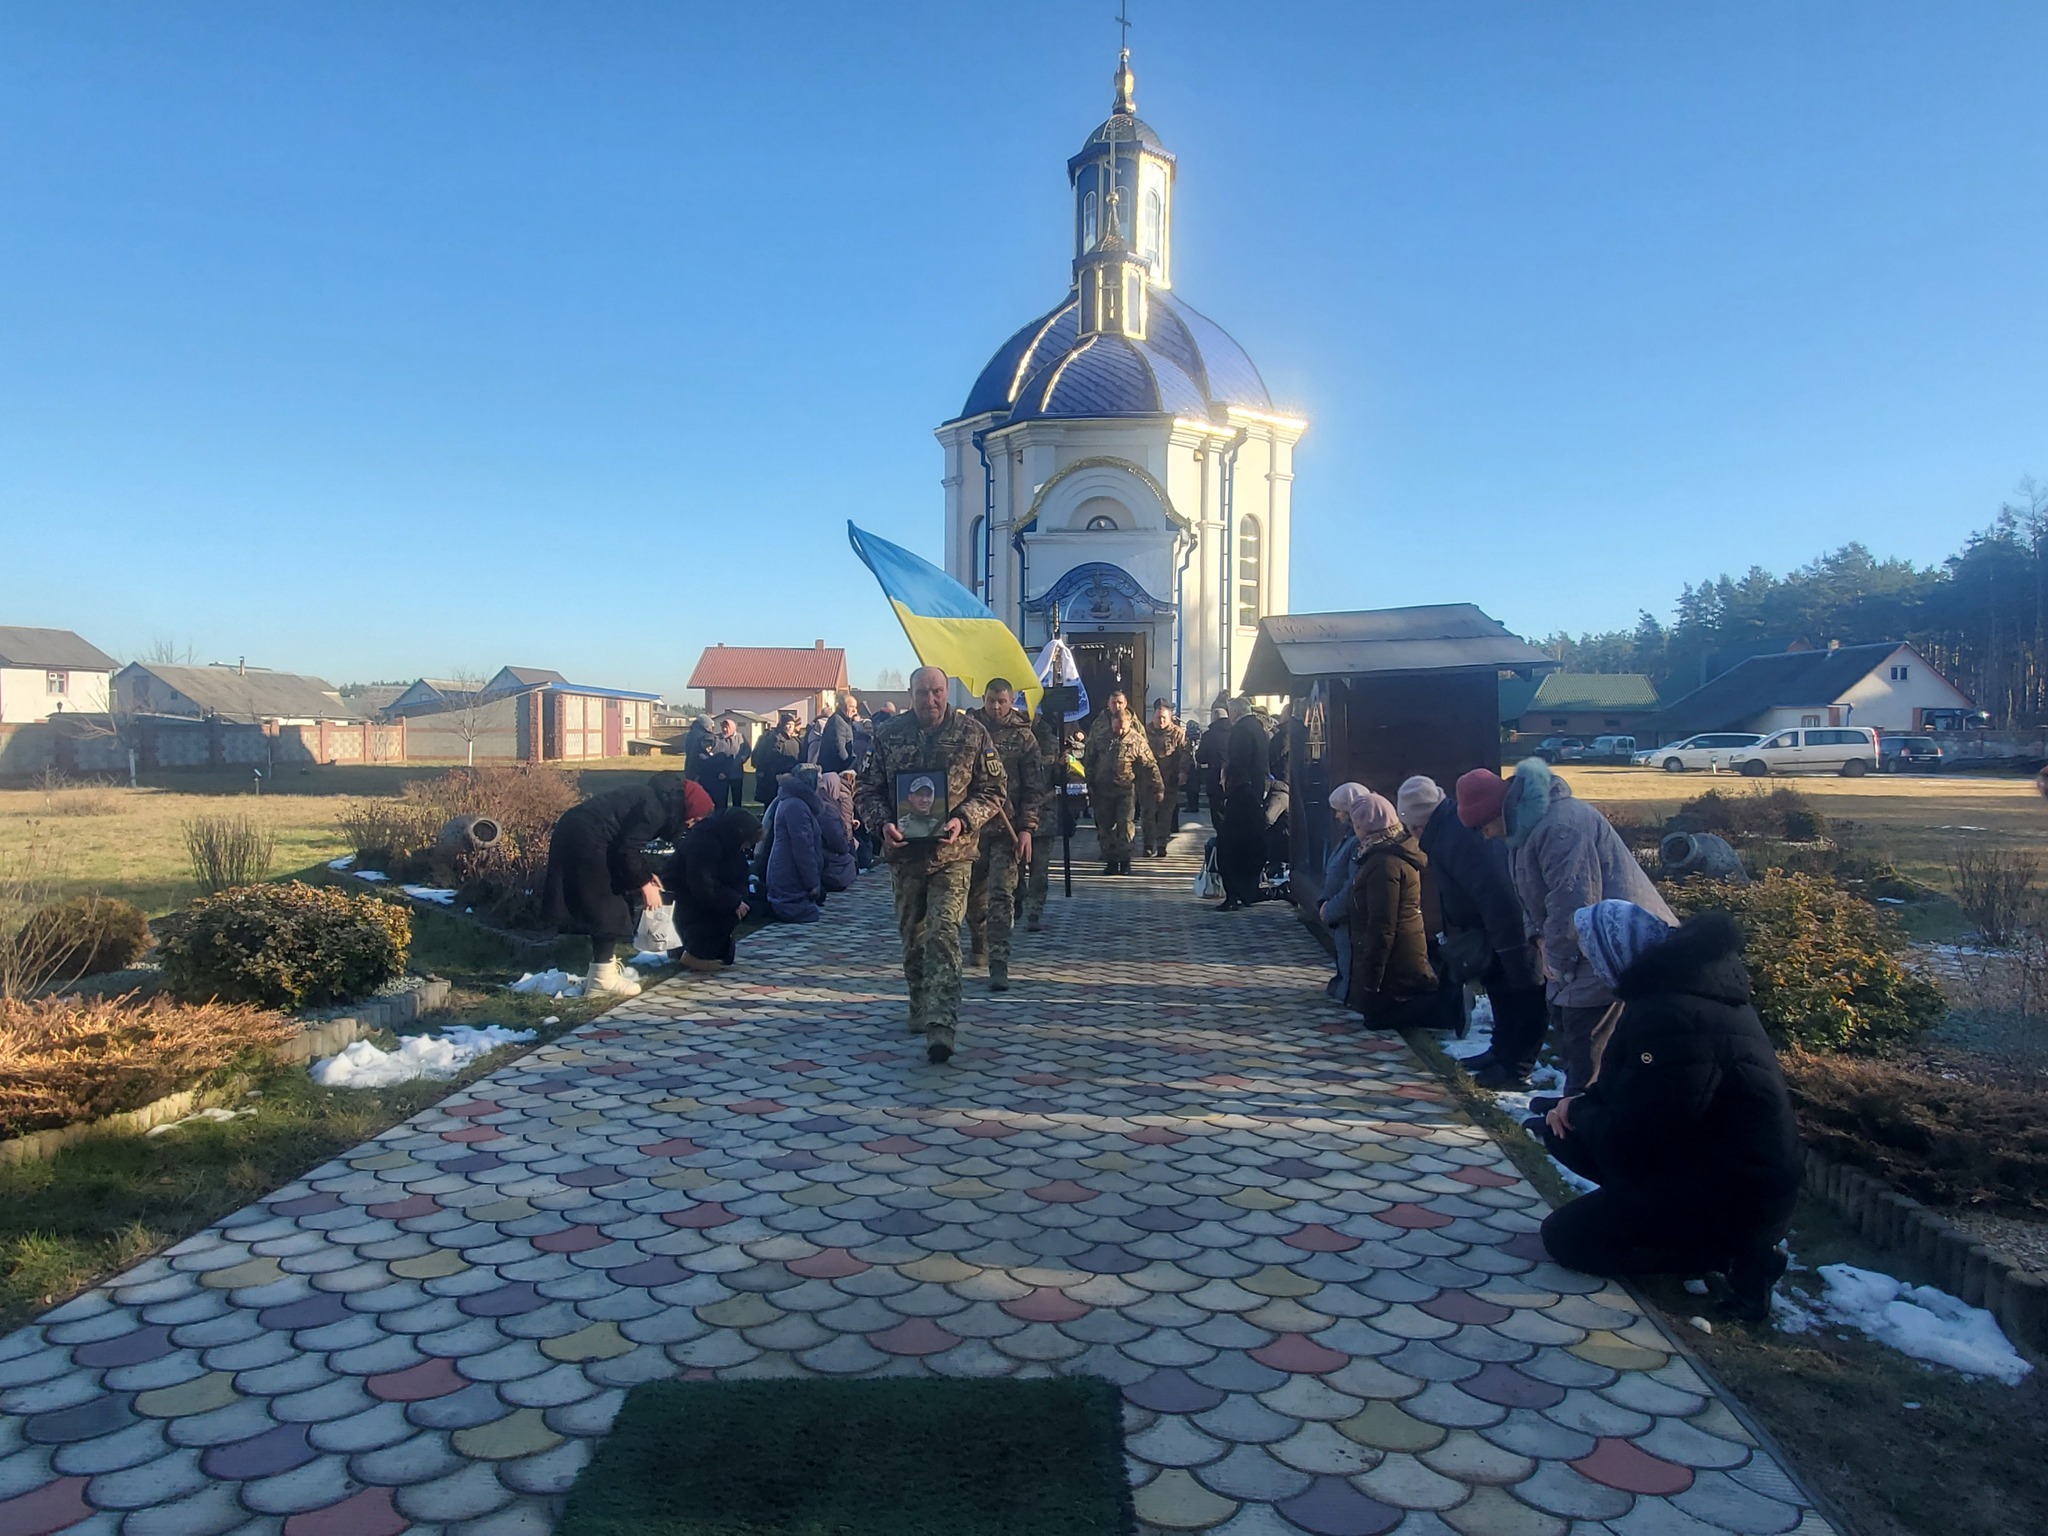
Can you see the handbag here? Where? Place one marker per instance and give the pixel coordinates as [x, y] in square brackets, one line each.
[1209, 883]
[1468, 954]
[656, 933]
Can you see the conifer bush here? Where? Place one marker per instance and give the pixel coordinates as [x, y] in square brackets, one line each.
[1824, 963]
[286, 946]
[85, 935]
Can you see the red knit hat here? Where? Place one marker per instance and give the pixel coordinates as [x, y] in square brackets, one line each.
[1480, 796]
[696, 802]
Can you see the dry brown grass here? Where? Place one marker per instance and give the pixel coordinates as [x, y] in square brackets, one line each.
[63, 1060]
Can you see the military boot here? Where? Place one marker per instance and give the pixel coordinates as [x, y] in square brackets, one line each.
[999, 976]
[977, 955]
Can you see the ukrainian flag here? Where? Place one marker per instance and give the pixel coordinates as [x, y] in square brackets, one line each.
[948, 626]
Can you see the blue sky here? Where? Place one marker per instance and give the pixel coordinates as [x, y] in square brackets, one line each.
[379, 339]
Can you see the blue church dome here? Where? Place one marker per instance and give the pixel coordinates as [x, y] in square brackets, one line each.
[1187, 365]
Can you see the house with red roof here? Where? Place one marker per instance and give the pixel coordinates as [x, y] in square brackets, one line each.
[766, 679]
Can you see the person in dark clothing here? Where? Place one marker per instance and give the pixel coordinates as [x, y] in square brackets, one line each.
[775, 754]
[1241, 819]
[599, 878]
[719, 763]
[839, 742]
[1391, 980]
[1483, 938]
[1194, 775]
[709, 876]
[1210, 752]
[1687, 1126]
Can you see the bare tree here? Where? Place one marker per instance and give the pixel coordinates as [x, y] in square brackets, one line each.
[170, 653]
[467, 707]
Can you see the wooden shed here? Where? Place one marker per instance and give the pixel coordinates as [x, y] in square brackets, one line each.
[1379, 696]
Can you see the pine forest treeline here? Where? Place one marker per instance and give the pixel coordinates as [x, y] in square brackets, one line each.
[1981, 616]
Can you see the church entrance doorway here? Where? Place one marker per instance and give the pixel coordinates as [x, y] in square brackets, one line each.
[1108, 662]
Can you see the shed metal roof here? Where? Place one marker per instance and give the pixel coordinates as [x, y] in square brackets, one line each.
[56, 649]
[1595, 691]
[231, 694]
[1439, 637]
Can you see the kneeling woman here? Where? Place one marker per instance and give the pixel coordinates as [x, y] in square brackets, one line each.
[599, 879]
[709, 875]
[1392, 983]
[1687, 1126]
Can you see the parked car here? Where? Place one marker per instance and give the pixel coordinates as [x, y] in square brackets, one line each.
[1562, 749]
[1850, 750]
[1611, 749]
[1710, 750]
[1909, 754]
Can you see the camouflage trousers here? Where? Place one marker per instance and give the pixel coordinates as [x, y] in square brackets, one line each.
[929, 907]
[1039, 880]
[992, 900]
[1113, 806]
[1162, 820]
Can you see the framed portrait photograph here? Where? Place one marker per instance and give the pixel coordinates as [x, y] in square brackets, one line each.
[921, 809]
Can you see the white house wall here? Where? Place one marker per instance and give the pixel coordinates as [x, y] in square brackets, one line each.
[1885, 705]
[25, 695]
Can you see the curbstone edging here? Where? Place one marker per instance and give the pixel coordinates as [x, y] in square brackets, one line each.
[1938, 1252]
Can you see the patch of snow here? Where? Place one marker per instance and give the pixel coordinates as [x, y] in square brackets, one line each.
[1916, 1320]
[433, 893]
[649, 959]
[439, 1055]
[371, 874]
[1701, 1323]
[1891, 901]
[1695, 1287]
[210, 1116]
[557, 983]
[344, 862]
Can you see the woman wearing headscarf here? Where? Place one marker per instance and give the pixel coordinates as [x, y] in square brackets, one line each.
[1241, 820]
[1334, 906]
[836, 831]
[599, 877]
[1391, 980]
[709, 876]
[1687, 1126]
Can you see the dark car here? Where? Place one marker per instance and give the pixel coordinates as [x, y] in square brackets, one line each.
[1909, 754]
[1562, 749]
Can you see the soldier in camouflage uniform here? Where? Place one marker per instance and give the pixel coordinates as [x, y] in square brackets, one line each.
[1169, 744]
[1005, 843]
[931, 875]
[1121, 778]
[1048, 731]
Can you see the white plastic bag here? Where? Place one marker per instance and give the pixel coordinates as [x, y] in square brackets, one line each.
[657, 930]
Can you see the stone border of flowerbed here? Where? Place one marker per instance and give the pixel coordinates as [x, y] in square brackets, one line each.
[1936, 1250]
[316, 1037]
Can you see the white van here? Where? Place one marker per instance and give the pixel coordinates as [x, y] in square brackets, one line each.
[1850, 750]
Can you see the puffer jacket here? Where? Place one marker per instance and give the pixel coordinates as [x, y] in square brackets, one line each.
[1334, 908]
[1689, 1108]
[835, 832]
[1565, 856]
[793, 882]
[1389, 947]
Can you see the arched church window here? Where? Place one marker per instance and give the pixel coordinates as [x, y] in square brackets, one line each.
[1089, 223]
[977, 576]
[1153, 233]
[1249, 560]
[1102, 525]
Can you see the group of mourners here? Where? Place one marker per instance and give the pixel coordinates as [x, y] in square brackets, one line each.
[1672, 1102]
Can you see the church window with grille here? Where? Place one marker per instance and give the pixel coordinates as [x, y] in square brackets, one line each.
[1249, 560]
[1102, 525]
[1089, 224]
[1153, 228]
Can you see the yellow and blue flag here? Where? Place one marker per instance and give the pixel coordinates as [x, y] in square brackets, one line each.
[948, 626]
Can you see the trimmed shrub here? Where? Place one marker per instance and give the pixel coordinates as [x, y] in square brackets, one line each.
[1824, 963]
[84, 935]
[66, 1059]
[287, 946]
[1776, 815]
[228, 851]
[1937, 1137]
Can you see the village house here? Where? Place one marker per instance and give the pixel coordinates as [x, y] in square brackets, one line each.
[764, 680]
[1887, 686]
[45, 672]
[521, 714]
[1584, 704]
[237, 695]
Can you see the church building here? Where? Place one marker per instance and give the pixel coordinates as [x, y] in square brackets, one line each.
[1118, 473]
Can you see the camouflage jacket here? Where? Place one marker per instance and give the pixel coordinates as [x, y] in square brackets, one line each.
[1120, 758]
[1169, 745]
[1016, 743]
[958, 748]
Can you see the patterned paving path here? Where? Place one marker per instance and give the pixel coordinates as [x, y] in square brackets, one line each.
[1162, 1159]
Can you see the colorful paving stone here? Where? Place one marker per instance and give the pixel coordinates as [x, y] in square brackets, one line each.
[1317, 1284]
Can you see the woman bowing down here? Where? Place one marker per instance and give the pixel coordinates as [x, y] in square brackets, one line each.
[599, 878]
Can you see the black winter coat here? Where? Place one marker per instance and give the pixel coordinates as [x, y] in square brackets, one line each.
[1476, 893]
[838, 746]
[1689, 1107]
[597, 857]
[709, 877]
[774, 755]
[1389, 946]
